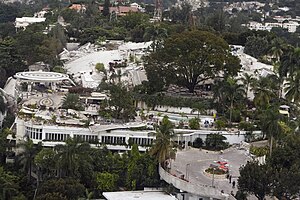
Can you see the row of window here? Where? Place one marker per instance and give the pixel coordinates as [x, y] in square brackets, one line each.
[113, 140]
[141, 141]
[57, 136]
[87, 138]
[33, 133]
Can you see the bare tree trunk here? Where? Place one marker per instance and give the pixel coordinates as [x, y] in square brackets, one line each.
[271, 145]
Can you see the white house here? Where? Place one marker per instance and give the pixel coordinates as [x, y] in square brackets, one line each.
[26, 21]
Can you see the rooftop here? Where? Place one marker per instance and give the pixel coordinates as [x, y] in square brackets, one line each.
[42, 76]
[134, 195]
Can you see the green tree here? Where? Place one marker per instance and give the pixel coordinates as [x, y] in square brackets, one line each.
[229, 95]
[257, 46]
[247, 80]
[106, 6]
[4, 144]
[28, 152]
[263, 92]
[276, 48]
[156, 34]
[11, 60]
[67, 188]
[292, 88]
[198, 143]
[198, 107]
[70, 155]
[133, 20]
[72, 101]
[270, 120]
[133, 170]
[163, 147]
[8, 184]
[255, 179]
[181, 14]
[215, 141]
[234, 92]
[120, 104]
[46, 162]
[189, 58]
[218, 20]
[106, 181]
[285, 164]
[100, 67]
[290, 62]
[194, 123]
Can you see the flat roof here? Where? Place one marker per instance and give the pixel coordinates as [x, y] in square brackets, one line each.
[136, 195]
[42, 76]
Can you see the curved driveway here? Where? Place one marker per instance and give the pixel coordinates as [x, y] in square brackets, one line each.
[192, 163]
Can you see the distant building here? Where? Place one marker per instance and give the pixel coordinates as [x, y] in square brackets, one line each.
[121, 10]
[26, 21]
[78, 7]
[291, 26]
[39, 66]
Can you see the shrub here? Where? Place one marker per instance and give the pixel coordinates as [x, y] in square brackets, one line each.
[216, 142]
[198, 143]
[100, 67]
[194, 123]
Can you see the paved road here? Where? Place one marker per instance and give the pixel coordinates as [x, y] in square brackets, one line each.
[192, 163]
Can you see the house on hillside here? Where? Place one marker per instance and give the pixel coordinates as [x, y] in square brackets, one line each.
[121, 10]
[78, 7]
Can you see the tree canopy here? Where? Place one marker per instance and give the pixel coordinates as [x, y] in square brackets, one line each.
[189, 58]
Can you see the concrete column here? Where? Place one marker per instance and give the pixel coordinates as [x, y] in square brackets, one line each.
[29, 87]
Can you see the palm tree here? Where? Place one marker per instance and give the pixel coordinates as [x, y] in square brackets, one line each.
[263, 92]
[163, 147]
[29, 150]
[156, 34]
[247, 80]
[270, 119]
[290, 62]
[233, 92]
[69, 156]
[198, 107]
[293, 88]
[8, 184]
[277, 48]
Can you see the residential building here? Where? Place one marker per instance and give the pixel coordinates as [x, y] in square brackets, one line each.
[23, 22]
[121, 10]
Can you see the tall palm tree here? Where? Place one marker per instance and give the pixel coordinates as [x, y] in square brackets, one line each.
[270, 119]
[69, 156]
[263, 92]
[293, 88]
[290, 62]
[277, 48]
[163, 147]
[233, 92]
[247, 80]
[28, 152]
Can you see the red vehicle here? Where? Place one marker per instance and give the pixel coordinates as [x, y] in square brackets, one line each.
[222, 163]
